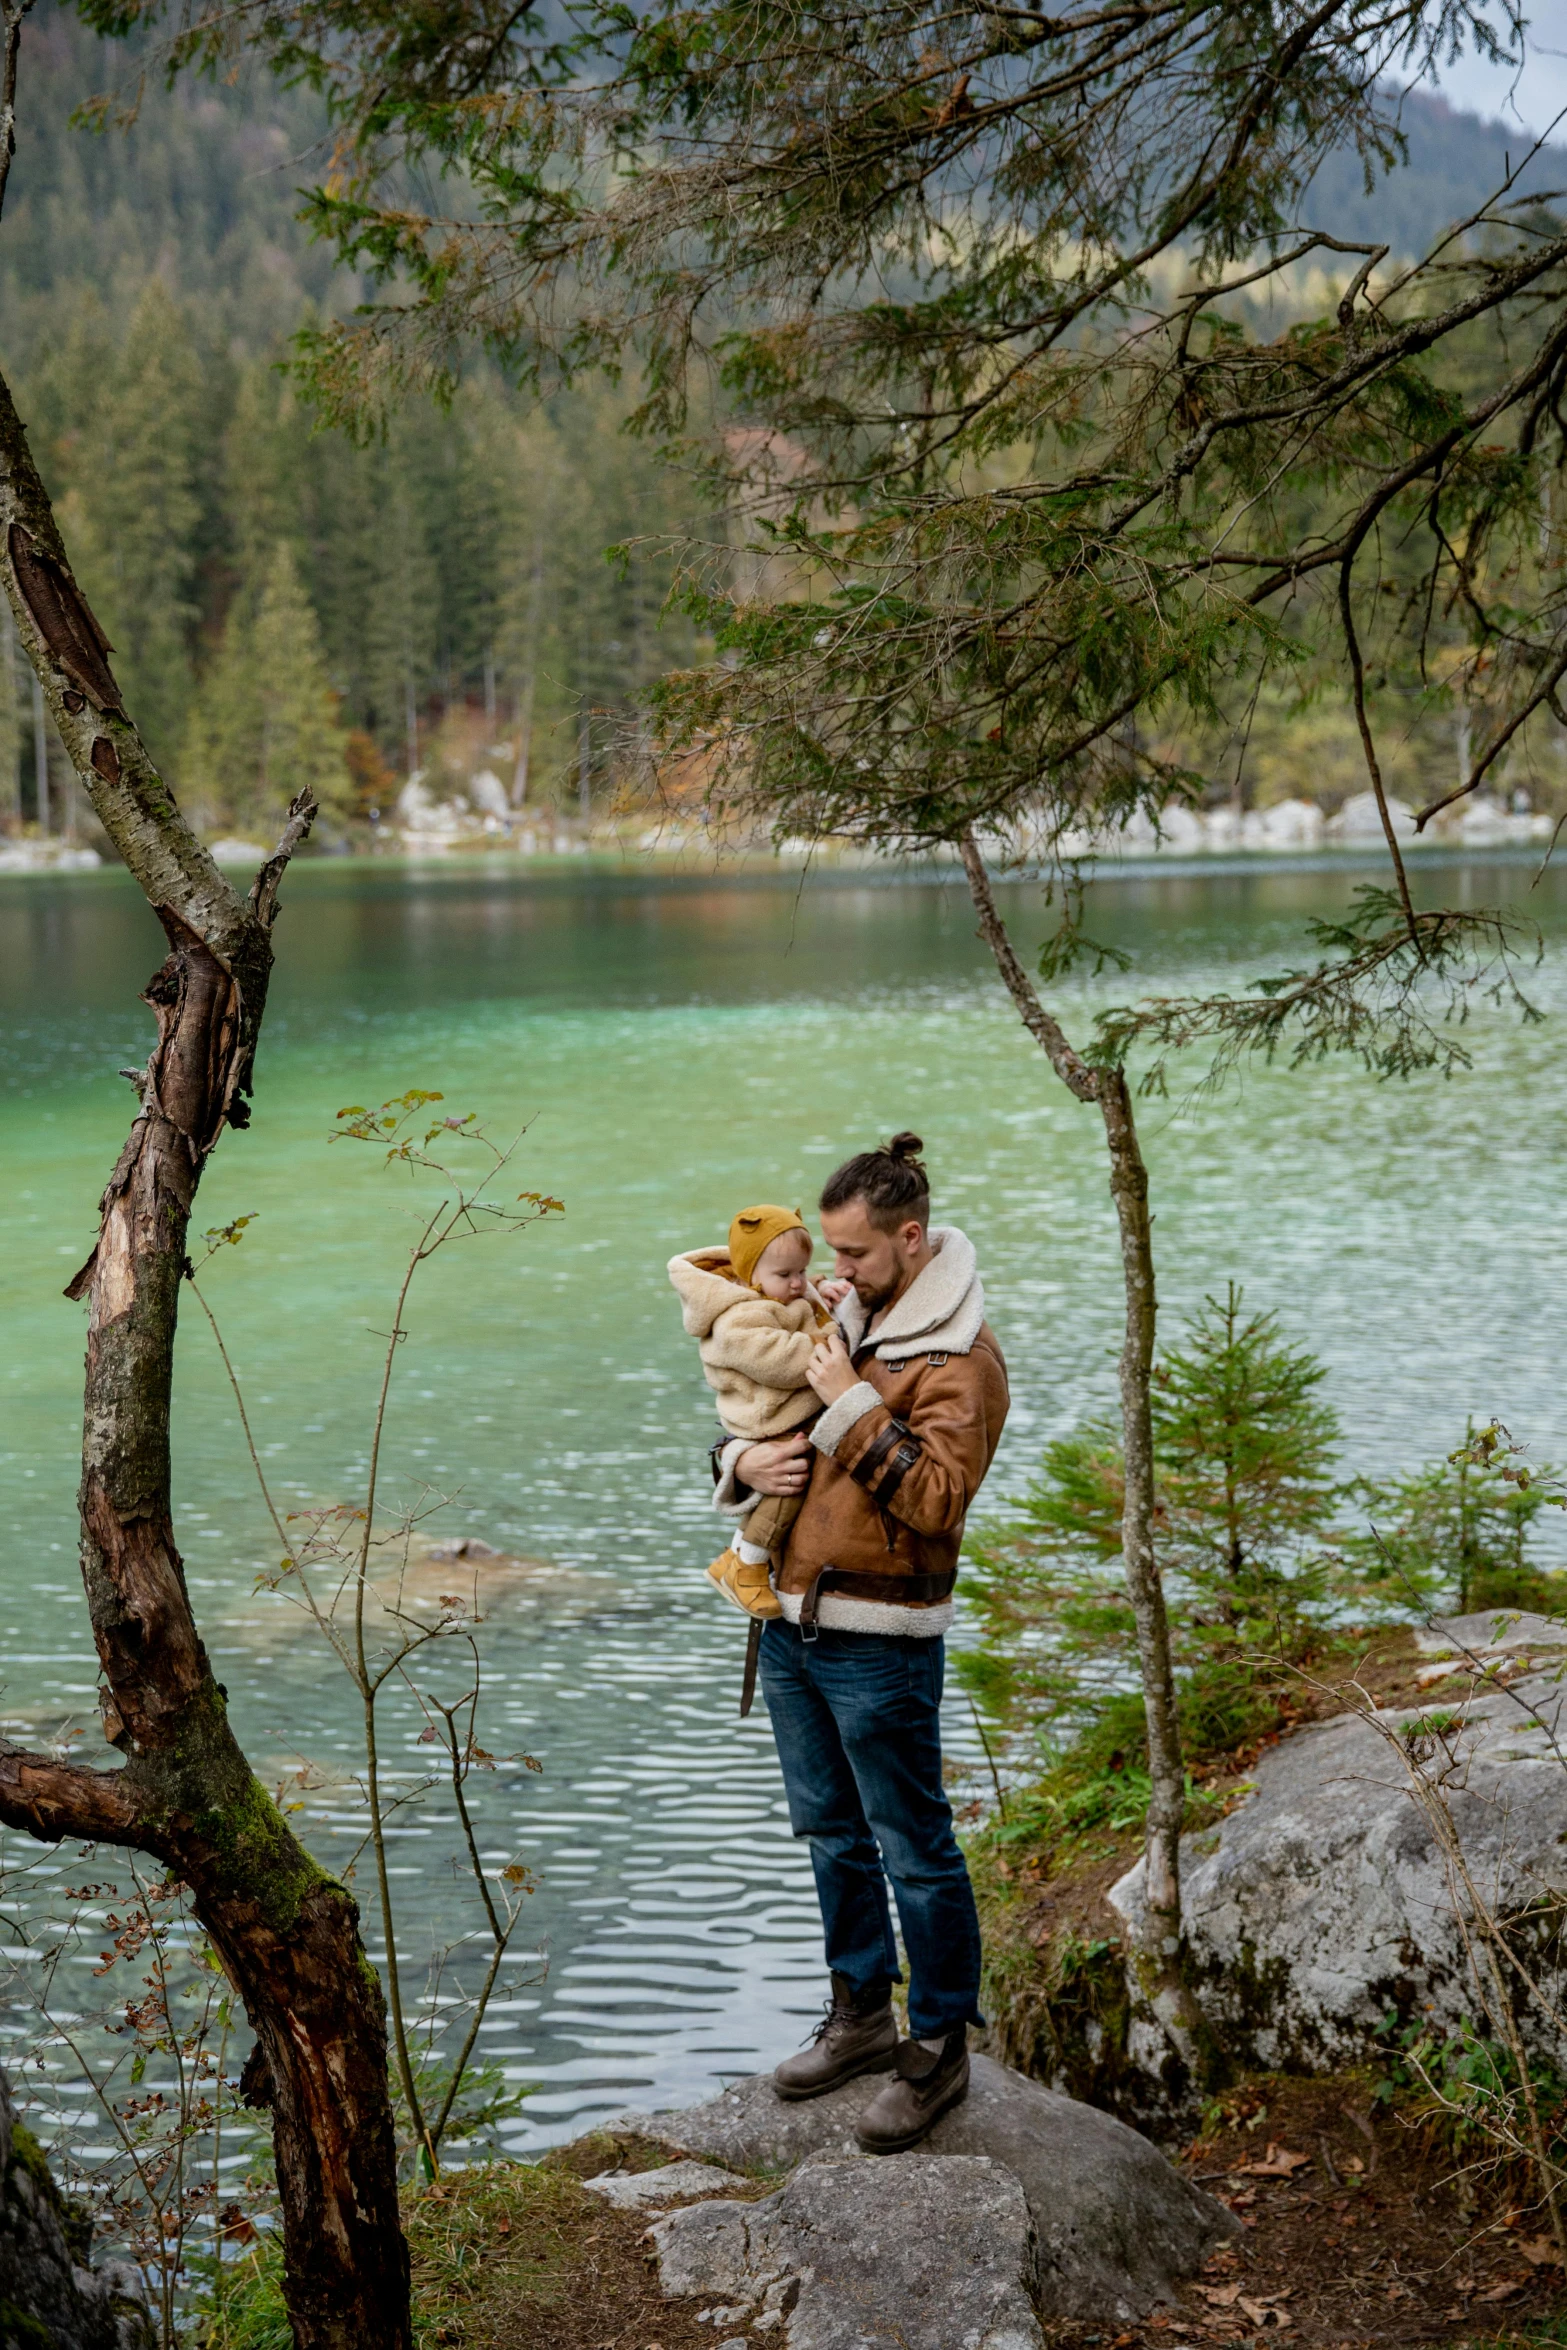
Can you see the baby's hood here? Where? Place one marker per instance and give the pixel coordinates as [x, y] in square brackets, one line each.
[705, 1281]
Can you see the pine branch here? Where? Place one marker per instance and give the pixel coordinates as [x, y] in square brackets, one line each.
[1394, 992]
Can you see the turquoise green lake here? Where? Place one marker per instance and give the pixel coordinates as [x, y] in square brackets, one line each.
[677, 1047]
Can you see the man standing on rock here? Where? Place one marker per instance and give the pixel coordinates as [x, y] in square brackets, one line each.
[915, 1393]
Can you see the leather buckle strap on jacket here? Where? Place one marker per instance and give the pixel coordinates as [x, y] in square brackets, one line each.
[880, 1476]
[890, 1590]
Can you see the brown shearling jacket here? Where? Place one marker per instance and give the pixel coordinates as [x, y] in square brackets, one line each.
[954, 1406]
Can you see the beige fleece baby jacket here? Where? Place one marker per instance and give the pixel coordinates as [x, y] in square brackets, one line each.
[754, 1349]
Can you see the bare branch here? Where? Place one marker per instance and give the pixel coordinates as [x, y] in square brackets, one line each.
[69, 654]
[1046, 1031]
[262, 901]
[51, 1800]
[1358, 675]
[1543, 697]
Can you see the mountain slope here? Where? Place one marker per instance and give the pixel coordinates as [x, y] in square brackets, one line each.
[1455, 162]
[200, 190]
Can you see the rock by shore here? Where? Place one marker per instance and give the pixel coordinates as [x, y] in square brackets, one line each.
[1100, 2225]
[1325, 1902]
[49, 2289]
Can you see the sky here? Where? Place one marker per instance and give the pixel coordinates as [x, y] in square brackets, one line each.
[1530, 98]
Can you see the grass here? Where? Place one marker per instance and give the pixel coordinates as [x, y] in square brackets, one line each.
[504, 2253]
[528, 2216]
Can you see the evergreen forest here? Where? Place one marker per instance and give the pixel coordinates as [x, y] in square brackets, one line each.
[287, 607]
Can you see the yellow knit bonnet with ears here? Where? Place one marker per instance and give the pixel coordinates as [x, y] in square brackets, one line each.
[752, 1231]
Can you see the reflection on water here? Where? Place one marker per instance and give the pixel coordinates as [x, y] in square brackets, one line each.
[680, 1047]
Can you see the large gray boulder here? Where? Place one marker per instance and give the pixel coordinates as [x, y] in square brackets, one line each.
[921, 2252]
[1492, 1632]
[1324, 1903]
[1115, 2226]
[48, 2291]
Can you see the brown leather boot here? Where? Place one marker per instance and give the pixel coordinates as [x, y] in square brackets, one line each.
[858, 2034]
[927, 2083]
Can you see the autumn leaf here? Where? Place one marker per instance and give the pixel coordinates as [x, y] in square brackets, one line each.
[1277, 2163]
[234, 2227]
[1262, 2313]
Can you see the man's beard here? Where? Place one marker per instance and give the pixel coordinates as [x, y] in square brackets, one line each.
[874, 1299]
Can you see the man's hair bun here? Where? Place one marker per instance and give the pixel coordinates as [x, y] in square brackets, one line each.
[892, 1182]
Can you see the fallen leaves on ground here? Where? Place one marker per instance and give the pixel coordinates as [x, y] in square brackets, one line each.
[1264, 2313]
[1277, 2163]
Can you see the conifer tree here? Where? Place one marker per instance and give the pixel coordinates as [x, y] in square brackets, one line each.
[401, 617]
[1455, 1532]
[131, 507]
[265, 724]
[1246, 1491]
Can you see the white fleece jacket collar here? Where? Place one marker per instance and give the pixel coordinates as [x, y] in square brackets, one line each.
[939, 1313]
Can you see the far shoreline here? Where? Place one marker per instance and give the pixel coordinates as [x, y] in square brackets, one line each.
[844, 870]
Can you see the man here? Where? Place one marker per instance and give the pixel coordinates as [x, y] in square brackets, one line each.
[915, 1393]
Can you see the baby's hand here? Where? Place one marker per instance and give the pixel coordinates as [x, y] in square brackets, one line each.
[833, 1293]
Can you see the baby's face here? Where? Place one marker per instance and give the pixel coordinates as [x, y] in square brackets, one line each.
[780, 1269]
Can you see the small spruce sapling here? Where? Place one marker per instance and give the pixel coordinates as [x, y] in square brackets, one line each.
[1245, 1459]
[1456, 1533]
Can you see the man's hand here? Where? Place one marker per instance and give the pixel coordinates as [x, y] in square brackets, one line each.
[782, 1465]
[829, 1370]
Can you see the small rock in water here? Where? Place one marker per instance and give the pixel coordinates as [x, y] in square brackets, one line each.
[467, 1546]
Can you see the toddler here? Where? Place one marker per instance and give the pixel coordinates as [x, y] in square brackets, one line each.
[756, 1320]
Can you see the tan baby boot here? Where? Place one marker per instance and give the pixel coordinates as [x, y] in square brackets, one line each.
[748, 1587]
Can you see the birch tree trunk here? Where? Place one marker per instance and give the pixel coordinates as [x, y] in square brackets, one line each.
[1161, 1949]
[286, 1934]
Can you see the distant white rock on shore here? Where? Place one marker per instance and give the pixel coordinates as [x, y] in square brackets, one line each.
[46, 856]
[1290, 826]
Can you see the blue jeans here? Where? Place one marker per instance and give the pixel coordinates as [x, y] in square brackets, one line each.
[855, 1717]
